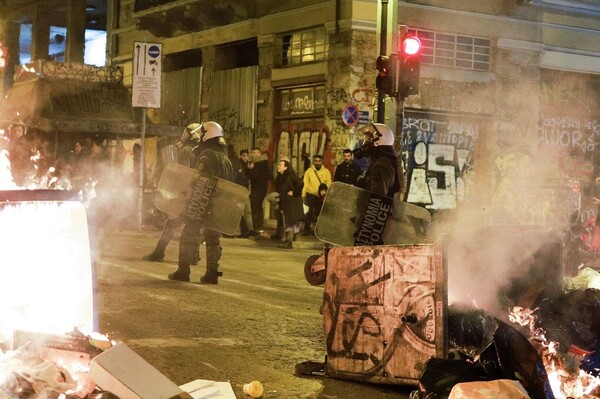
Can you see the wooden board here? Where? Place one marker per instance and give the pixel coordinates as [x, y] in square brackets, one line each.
[384, 312]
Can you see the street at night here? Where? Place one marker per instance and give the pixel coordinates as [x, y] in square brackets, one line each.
[406, 193]
[256, 324]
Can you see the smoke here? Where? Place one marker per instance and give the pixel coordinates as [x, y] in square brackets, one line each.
[495, 267]
[95, 174]
[509, 252]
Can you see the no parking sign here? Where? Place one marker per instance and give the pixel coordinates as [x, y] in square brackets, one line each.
[350, 115]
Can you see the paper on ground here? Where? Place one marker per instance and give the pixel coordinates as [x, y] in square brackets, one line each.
[206, 389]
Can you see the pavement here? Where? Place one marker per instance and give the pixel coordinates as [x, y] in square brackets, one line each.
[264, 239]
[258, 323]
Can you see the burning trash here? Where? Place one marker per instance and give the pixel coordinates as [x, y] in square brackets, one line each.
[556, 357]
[49, 344]
[44, 294]
[483, 348]
[566, 331]
[47, 366]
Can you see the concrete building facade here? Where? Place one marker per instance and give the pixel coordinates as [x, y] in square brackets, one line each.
[505, 123]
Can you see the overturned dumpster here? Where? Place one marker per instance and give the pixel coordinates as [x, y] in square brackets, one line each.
[388, 320]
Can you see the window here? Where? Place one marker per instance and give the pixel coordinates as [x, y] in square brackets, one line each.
[303, 47]
[295, 101]
[455, 51]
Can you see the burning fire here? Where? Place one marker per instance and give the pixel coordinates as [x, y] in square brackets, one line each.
[47, 323]
[566, 378]
[6, 180]
[44, 291]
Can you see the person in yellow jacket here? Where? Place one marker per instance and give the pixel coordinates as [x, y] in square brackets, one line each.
[314, 177]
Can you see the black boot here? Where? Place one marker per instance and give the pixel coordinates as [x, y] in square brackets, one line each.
[154, 257]
[211, 277]
[181, 274]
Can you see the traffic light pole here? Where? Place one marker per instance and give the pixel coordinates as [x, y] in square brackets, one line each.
[399, 109]
[382, 51]
[399, 133]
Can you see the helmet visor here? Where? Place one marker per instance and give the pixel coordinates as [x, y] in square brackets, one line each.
[368, 133]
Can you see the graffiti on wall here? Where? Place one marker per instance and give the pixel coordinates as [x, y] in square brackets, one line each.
[438, 158]
[524, 197]
[74, 98]
[300, 145]
[71, 70]
[569, 121]
[363, 95]
[578, 134]
[236, 134]
[569, 131]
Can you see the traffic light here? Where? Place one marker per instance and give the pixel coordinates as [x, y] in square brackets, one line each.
[386, 77]
[410, 63]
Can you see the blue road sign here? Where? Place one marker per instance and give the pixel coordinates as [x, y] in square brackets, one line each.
[154, 51]
[350, 115]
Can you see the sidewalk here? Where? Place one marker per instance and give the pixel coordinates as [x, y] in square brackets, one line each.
[303, 242]
[263, 240]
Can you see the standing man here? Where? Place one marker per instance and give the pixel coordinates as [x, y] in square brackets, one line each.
[211, 161]
[188, 140]
[241, 178]
[259, 174]
[314, 177]
[347, 172]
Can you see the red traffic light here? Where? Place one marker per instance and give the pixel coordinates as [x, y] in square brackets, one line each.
[411, 45]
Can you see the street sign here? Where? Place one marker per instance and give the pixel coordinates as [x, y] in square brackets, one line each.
[146, 74]
[350, 115]
[363, 118]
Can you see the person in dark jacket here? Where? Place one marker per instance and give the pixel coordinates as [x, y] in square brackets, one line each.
[259, 174]
[241, 178]
[211, 161]
[348, 171]
[289, 187]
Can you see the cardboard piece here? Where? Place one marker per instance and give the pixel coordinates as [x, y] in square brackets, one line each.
[206, 389]
[123, 372]
[506, 389]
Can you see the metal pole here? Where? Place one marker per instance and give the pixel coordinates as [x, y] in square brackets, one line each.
[399, 115]
[141, 172]
[382, 51]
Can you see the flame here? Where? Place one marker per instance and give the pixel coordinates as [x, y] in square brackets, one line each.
[45, 283]
[51, 179]
[565, 383]
[46, 290]
[6, 180]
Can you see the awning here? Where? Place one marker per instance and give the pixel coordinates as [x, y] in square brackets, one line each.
[69, 106]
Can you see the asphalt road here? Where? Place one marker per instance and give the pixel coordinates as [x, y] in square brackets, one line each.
[256, 324]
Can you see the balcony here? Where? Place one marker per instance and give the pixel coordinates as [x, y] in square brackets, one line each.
[164, 18]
